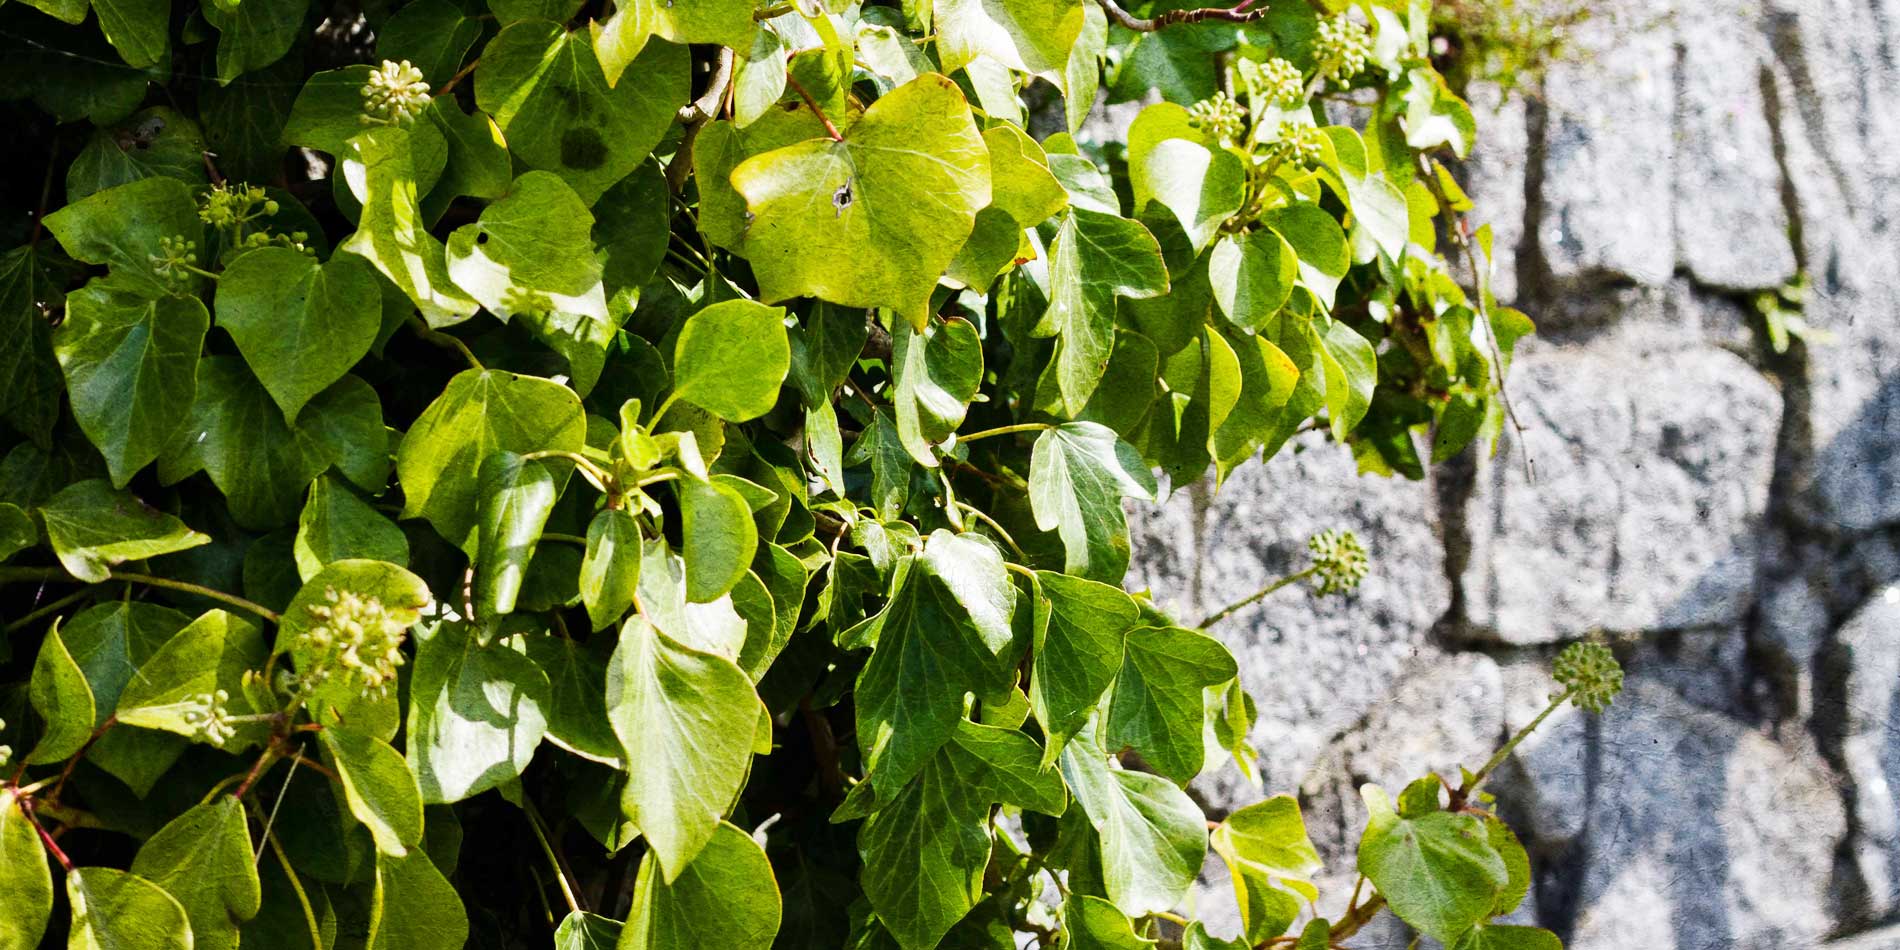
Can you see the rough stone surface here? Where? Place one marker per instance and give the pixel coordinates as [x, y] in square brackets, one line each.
[1868, 709]
[1651, 465]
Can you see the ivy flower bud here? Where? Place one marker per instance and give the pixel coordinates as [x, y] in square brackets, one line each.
[210, 718]
[1304, 144]
[1590, 674]
[1342, 47]
[175, 259]
[1339, 562]
[357, 638]
[395, 94]
[6, 751]
[1280, 81]
[1219, 116]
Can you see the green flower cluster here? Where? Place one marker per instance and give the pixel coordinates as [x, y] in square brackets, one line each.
[6, 751]
[1304, 144]
[395, 94]
[210, 718]
[1276, 80]
[175, 260]
[1219, 116]
[1342, 46]
[357, 638]
[227, 205]
[1339, 562]
[1590, 675]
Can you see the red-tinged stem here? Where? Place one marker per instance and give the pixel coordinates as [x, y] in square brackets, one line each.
[820, 113]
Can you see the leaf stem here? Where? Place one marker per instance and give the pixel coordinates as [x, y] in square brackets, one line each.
[993, 526]
[447, 341]
[27, 808]
[1250, 599]
[1237, 13]
[73, 762]
[1497, 758]
[303, 899]
[12, 574]
[820, 113]
[460, 75]
[541, 835]
[53, 607]
[1005, 430]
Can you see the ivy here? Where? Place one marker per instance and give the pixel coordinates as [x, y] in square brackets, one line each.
[684, 449]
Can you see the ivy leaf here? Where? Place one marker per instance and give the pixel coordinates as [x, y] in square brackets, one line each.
[725, 897]
[131, 366]
[121, 227]
[945, 632]
[577, 698]
[1021, 184]
[1438, 871]
[380, 166]
[1032, 36]
[26, 886]
[1201, 186]
[476, 711]
[30, 403]
[610, 568]
[731, 359]
[517, 494]
[202, 859]
[687, 717]
[93, 529]
[1080, 629]
[718, 537]
[1151, 837]
[624, 36]
[110, 641]
[138, 29]
[1094, 258]
[550, 97]
[720, 148]
[1091, 923]
[254, 34]
[237, 433]
[925, 849]
[1078, 475]
[60, 694]
[712, 626]
[378, 788]
[1504, 937]
[435, 35]
[401, 593]
[1252, 275]
[581, 930]
[346, 420]
[300, 325]
[211, 653]
[478, 414]
[1158, 708]
[336, 525]
[1263, 844]
[153, 142]
[1351, 374]
[938, 371]
[1319, 243]
[873, 220]
[114, 910]
[531, 251]
[17, 530]
[414, 907]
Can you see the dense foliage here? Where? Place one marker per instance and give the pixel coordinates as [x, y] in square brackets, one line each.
[706, 427]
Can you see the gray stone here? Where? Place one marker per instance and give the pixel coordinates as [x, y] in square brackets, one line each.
[1702, 834]
[1651, 465]
[1494, 179]
[1313, 665]
[1886, 938]
[1866, 718]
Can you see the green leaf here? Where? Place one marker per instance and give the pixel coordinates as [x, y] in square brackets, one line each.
[378, 787]
[60, 694]
[237, 433]
[1517, 864]
[731, 359]
[26, 886]
[1323, 252]
[1351, 374]
[1263, 844]
[718, 537]
[381, 166]
[153, 142]
[1080, 629]
[211, 653]
[403, 594]
[1078, 475]
[1032, 36]
[610, 570]
[824, 350]
[550, 97]
[1021, 184]
[946, 632]
[131, 366]
[414, 907]
[687, 717]
[114, 910]
[1094, 258]
[925, 849]
[1503, 937]
[1091, 923]
[481, 412]
[581, 930]
[712, 626]
[577, 698]
[621, 39]
[532, 251]
[1438, 872]
[300, 325]
[17, 530]
[725, 897]
[255, 33]
[1201, 186]
[476, 711]
[203, 859]
[1151, 837]
[1196, 937]
[720, 148]
[873, 220]
[517, 494]
[346, 420]
[1252, 275]
[30, 402]
[337, 525]
[1157, 707]
[121, 227]
[93, 529]
[938, 371]
[1381, 219]
[435, 35]
[111, 641]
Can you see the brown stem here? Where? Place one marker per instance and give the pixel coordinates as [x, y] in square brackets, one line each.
[73, 762]
[456, 79]
[1239, 13]
[27, 808]
[825, 745]
[1358, 917]
[694, 116]
[820, 113]
[257, 769]
[9, 574]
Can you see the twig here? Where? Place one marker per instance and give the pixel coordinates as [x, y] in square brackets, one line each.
[445, 340]
[27, 808]
[1005, 430]
[303, 899]
[53, 607]
[73, 762]
[1250, 599]
[694, 116]
[456, 79]
[9, 574]
[799, 88]
[554, 860]
[46, 194]
[1234, 14]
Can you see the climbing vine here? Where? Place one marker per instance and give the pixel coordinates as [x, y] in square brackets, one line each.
[652, 474]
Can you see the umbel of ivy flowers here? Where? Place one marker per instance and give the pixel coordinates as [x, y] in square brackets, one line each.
[685, 446]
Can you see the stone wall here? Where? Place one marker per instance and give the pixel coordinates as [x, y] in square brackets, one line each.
[1726, 515]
